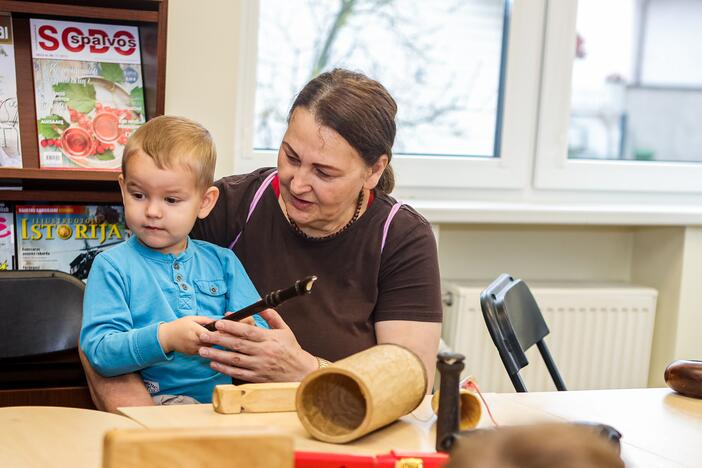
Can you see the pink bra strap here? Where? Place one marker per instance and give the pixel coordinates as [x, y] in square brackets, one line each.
[257, 197]
[393, 211]
[267, 181]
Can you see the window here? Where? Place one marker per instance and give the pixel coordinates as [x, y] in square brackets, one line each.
[637, 83]
[450, 135]
[451, 49]
[630, 118]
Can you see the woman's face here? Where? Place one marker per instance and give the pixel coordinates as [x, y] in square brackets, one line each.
[321, 175]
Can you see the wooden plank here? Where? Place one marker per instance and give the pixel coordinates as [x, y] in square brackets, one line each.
[205, 446]
[161, 41]
[255, 398]
[88, 12]
[75, 397]
[53, 174]
[60, 196]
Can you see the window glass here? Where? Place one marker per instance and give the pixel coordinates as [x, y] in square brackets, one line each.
[441, 61]
[637, 81]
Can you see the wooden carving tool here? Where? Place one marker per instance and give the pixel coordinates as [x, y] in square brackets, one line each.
[255, 397]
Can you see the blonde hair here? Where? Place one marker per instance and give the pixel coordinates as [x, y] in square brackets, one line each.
[170, 140]
[549, 445]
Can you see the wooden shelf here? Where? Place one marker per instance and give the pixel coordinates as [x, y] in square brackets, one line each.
[80, 11]
[54, 174]
[62, 196]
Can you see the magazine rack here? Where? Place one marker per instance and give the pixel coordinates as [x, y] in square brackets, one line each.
[37, 184]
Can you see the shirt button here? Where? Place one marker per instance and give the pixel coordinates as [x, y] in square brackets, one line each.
[213, 290]
[184, 286]
[179, 278]
[176, 266]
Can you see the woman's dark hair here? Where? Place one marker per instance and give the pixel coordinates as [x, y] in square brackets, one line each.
[359, 109]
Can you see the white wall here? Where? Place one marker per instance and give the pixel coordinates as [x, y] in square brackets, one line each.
[658, 262]
[548, 253]
[201, 69]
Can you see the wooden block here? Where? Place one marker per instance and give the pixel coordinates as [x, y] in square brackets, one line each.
[255, 397]
[197, 447]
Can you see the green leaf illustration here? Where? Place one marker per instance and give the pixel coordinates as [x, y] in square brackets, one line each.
[112, 72]
[137, 96]
[79, 96]
[51, 126]
[106, 156]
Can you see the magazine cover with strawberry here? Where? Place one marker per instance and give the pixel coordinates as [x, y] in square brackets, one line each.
[89, 92]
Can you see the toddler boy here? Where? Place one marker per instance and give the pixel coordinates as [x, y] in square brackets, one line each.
[147, 299]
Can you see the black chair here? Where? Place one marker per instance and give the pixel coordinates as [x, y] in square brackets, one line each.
[41, 316]
[515, 323]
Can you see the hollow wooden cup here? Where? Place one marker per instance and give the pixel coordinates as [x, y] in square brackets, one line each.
[361, 393]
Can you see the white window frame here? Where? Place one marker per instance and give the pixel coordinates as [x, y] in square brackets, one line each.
[521, 84]
[553, 169]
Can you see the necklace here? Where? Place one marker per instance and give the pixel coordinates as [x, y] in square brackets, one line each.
[353, 219]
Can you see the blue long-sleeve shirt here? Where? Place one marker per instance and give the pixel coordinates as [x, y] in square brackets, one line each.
[132, 288]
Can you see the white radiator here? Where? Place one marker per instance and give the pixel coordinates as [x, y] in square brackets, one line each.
[600, 336]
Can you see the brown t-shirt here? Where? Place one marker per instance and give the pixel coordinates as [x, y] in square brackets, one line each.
[357, 286]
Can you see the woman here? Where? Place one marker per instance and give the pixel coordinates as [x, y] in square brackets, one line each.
[324, 212]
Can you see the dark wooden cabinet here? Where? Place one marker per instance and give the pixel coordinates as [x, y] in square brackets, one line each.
[150, 16]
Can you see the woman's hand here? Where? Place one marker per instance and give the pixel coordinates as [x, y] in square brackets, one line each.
[256, 354]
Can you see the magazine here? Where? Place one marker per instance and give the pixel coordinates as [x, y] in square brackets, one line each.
[7, 237]
[89, 92]
[66, 237]
[10, 149]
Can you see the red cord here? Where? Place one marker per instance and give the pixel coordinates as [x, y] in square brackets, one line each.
[472, 385]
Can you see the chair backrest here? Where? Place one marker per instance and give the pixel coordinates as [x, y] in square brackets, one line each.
[515, 323]
[41, 318]
[41, 312]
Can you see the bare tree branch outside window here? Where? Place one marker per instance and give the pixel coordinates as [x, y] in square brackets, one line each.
[440, 60]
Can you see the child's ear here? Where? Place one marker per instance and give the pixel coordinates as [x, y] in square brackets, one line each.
[120, 179]
[209, 198]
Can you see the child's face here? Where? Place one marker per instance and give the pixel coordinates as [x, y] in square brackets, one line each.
[161, 205]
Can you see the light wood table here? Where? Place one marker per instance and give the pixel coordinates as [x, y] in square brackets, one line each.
[41, 436]
[414, 432]
[659, 427]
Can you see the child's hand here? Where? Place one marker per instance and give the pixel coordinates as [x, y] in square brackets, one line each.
[182, 335]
